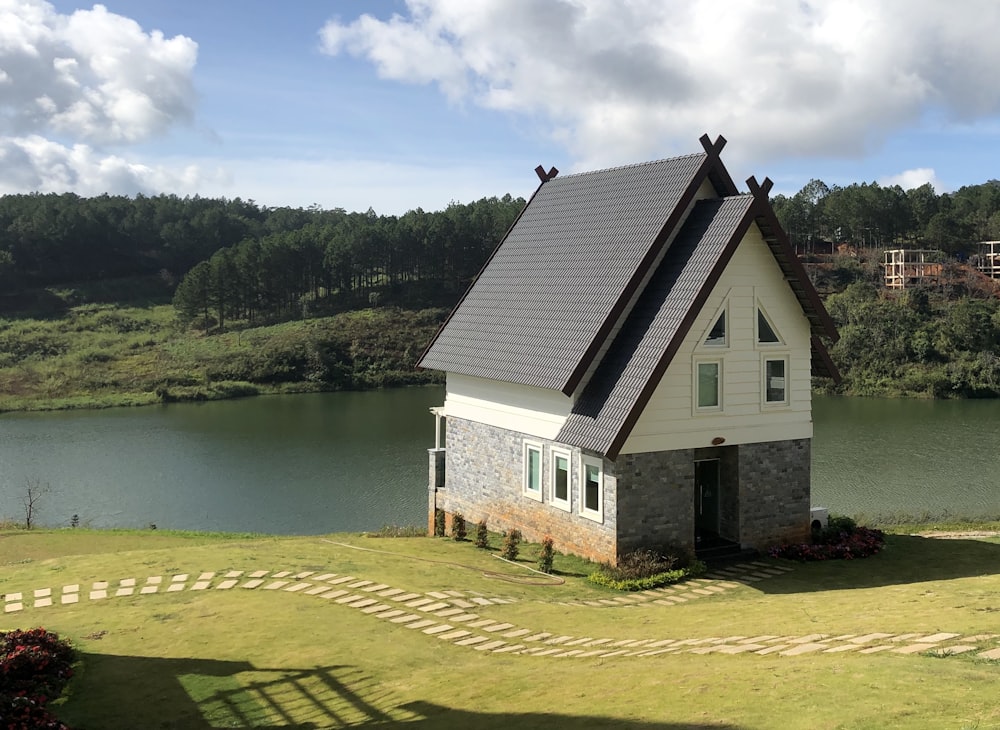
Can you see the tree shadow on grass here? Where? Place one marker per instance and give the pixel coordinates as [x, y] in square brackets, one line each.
[196, 694]
[904, 559]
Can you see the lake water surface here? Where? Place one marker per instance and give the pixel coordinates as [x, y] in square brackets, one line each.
[308, 464]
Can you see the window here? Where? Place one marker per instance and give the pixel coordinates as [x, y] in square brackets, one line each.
[533, 470]
[717, 335]
[775, 381]
[592, 488]
[560, 479]
[765, 332]
[708, 385]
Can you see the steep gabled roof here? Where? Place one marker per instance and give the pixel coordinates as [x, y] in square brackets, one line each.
[554, 289]
[621, 386]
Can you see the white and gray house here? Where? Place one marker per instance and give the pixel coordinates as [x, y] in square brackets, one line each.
[632, 367]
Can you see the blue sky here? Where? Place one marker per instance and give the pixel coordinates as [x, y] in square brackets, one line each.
[397, 104]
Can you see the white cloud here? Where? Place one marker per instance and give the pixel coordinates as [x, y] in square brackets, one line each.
[34, 163]
[73, 84]
[910, 179]
[623, 81]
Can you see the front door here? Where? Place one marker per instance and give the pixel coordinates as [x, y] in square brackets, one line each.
[706, 496]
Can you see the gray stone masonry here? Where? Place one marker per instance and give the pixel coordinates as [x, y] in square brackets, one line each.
[774, 492]
[655, 500]
[485, 467]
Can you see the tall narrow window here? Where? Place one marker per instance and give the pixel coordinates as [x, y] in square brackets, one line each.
[708, 385]
[717, 335]
[765, 332]
[775, 388]
[533, 470]
[591, 499]
[560, 479]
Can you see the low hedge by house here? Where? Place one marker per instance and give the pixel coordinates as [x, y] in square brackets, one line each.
[643, 570]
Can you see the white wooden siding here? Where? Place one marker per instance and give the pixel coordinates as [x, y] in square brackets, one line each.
[534, 411]
[670, 420]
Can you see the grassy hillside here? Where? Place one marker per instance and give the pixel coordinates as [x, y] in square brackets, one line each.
[98, 355]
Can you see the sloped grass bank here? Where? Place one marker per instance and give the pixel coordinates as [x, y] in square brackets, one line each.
[100, 355]
[276, 659]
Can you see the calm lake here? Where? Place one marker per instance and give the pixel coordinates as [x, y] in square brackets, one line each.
[308, 464]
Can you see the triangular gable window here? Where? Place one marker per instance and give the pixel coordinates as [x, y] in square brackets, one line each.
[717, 335]
[765, 331]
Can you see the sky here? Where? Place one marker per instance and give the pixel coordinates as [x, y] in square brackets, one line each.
[399, 104]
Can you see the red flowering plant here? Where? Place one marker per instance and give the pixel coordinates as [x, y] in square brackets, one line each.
[35, 666]
[842, 539]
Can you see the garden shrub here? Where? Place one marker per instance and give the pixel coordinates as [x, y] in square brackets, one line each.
[35, 666]
[458, 530]
[482, 535]
[841, 539]
[644, 569]
[546, 555]
[511, 544]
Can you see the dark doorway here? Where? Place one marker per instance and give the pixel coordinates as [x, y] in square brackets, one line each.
[706, 495]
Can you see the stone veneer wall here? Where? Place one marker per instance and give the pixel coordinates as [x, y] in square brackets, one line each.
[484, 481]
[655, 500]
[774, 492]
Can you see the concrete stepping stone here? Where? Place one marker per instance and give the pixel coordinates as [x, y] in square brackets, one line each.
[489, 646]
[841, 648]
[450, 612]
[285, 574]
[43, 592]
[296, 587]
[377, 608]
[593, 652]
[773, 649]
[934, 638]
[556, 640]
[539, 651]
[420, 624]
[181, 578]
[875, 649]
[434, 607]
[455, 594]
[739, 648]
[314, 591]
[481, 623]
[460, 602]
[571, 652]
[496, 627]
[127, 582]
[390, 592]
[376, 587]
[956, 649]
[903, 637]
[869, 638]
[439, 629]
[145, 590]
[982, 637]
[70, 598]
[913, 648]
[98, 595]
[12, 607]
[305, 574]
[333, 594]
[597, 642]
[128, 591]
[406, 618]
[438, 595]
[43, 602]
[463, 617]
[508, 648]
[319, 578]
[404, 597]
[457, 634]
[537, 637]
[227, 584]
[991, 654]
[75, 588]
[391, 614]
[417, 603]
[335, 581]
[517, 632]
[253, 583]
[349, 598]
[199, 585]
[363, 603]
[576, 642]
[234, 574]
[255, 574]
[274, 585]
[614, 653]
[470, 641]
[358, 584]
[174, 587]
[479, 601]
[803, 648]
[811, 638]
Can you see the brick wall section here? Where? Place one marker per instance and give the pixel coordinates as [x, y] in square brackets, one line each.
[655, 500]
[774, 492]
[484, 466]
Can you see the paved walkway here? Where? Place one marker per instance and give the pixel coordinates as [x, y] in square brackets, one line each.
[451, 615]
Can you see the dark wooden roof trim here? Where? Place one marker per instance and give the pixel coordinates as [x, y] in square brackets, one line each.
[682, 331]
[709, 167]
[822, 364]
[820, 320]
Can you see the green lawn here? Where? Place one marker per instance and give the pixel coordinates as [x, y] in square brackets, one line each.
[238, 658]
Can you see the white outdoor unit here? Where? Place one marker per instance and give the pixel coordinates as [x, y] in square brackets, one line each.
[819, 517]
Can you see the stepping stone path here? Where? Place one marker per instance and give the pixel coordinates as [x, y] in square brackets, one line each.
[449, 615]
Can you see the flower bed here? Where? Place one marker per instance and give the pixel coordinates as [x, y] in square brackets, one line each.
[857, 542]
[35, 666]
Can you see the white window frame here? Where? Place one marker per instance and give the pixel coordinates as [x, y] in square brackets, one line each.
[723, 312]
[761, 311]
[554, 457]
[696, 386]
[532, 446]
[591, 514]
[764, 360]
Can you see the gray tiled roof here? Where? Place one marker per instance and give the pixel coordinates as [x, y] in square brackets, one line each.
[623, 382]
[556, 285]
